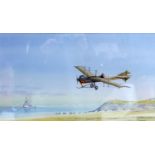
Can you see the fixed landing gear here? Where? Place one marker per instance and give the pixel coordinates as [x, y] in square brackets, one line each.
[92, 85]
[96, 87]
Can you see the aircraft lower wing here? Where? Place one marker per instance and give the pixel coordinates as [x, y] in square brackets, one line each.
[125, 78]
[111, 83]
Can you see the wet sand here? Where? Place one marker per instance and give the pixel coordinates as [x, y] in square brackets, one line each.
[98, 116]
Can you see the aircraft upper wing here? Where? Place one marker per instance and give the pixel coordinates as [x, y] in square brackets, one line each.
[111, 83]
[83, 70]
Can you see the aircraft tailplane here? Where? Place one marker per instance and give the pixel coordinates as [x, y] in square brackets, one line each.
[124, 76]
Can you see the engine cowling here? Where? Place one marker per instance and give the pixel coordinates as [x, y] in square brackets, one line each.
[102, 75]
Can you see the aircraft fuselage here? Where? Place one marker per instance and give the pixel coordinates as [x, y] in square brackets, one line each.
[83, 79]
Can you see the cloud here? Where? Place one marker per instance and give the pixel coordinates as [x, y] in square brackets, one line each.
[67, 42]
[27, 48]
[70, 49]
[109, 51]
[79, 39]
[145, 87]
[7, 79]
[48, 44]
[141, 88]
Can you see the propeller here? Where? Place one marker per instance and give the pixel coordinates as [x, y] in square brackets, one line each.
[89, 69]
[77, 79]
[95, 72]
[108, 81]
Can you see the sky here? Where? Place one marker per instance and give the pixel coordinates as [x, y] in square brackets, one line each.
[43, 64]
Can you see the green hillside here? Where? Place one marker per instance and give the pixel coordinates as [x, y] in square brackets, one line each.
[148, 101]
[119, 101]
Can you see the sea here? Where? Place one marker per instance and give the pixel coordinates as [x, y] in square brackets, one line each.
[12, 113]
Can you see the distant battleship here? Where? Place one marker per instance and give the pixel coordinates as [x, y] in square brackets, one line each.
[27, 104]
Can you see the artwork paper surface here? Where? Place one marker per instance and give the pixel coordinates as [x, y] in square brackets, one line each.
[74, 77]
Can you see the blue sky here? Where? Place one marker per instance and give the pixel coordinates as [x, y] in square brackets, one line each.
[44, 52]
[44, 63]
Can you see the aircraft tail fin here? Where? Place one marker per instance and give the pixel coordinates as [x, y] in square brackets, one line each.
[124, 76]
[124, 73]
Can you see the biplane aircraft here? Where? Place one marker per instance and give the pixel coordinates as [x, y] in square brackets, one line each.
[89, 80]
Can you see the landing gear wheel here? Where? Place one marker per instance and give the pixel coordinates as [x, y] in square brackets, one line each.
[91, 85]
[96, 87]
